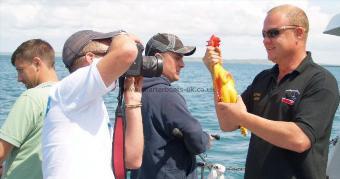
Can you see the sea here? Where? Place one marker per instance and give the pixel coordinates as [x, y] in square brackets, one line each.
[196, 87]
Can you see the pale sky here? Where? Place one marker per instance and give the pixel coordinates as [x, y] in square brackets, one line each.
[237, 22]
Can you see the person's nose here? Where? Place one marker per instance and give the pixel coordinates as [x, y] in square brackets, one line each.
[181, 63]
[20, 78]
[266, 41]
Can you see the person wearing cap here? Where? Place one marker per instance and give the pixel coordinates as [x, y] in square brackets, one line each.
[173, 137]
[288, 108]
[20, 135]
[77, 133]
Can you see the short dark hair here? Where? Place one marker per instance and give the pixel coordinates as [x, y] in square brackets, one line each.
[34, 48]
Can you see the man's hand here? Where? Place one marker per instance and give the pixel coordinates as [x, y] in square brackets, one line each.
[211, 57]
[135, 38]
[123, 35]
[230, 114]
[232, 111]
[133, 90]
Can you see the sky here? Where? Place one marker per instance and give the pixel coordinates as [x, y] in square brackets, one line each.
[237, 22]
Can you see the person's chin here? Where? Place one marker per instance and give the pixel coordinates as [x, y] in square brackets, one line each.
[272, 59]
[177, 77]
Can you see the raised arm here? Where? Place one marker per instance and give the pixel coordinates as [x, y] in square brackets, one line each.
[211, 57]
[122, 53]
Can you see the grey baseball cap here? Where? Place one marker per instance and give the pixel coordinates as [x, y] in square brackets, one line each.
[164, 42]
[77, 41]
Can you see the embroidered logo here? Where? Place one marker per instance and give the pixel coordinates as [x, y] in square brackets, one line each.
[256, 96]
[290, 96]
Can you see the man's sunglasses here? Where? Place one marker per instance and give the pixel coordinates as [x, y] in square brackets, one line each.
[274, 32]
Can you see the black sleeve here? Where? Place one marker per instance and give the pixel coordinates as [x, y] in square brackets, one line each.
[177, 115]
[246, 97]
[317, 107]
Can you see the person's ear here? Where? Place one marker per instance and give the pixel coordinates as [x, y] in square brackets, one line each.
[36, 61]
[89, 56]
[300, 32]
[159, 54]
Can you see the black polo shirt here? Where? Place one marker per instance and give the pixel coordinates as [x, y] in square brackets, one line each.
[308, 96]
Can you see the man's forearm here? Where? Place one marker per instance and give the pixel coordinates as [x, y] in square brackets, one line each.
[123, 52]
[5, 149]
[134, 139]
[283, 134]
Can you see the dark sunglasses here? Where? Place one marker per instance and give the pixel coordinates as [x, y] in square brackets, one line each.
[274, 32]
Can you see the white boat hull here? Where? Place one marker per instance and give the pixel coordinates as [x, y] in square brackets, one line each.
[333, 168]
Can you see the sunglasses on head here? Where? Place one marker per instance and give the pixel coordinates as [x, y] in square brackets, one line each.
[274, 32]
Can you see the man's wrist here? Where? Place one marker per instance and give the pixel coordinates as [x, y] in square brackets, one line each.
[134, 105]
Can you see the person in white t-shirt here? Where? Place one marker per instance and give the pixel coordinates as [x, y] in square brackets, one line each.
[77, 133]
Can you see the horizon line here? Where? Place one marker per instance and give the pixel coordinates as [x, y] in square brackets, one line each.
[228, 60]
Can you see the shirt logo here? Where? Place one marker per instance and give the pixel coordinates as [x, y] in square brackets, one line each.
[256, 96]
[290, 96]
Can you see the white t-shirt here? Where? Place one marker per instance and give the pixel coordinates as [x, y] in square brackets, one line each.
[77, 133]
